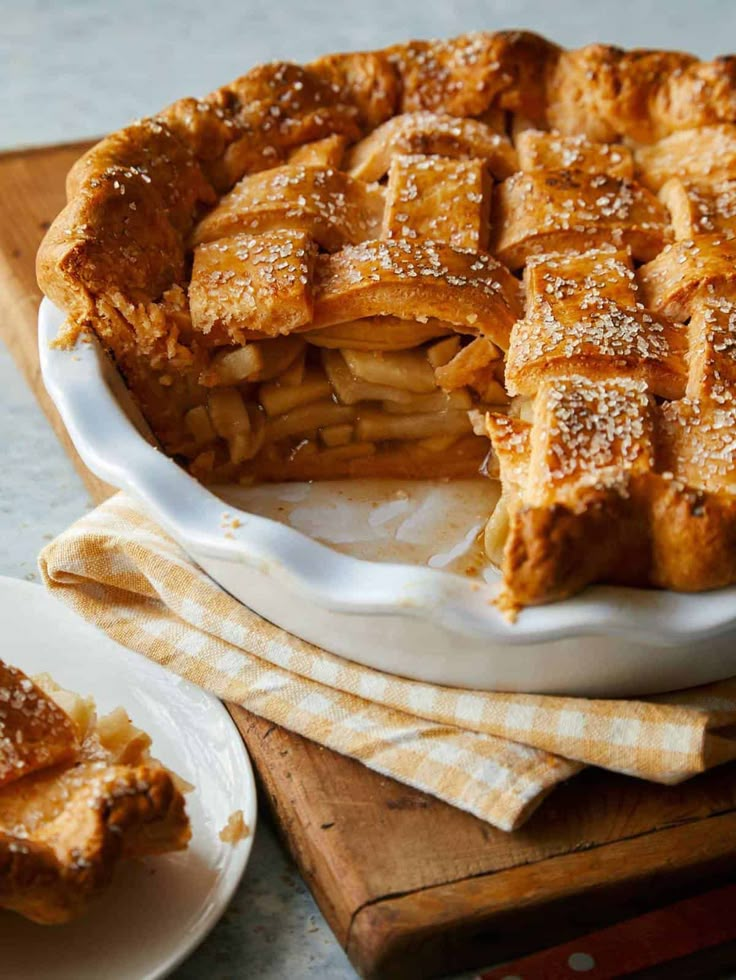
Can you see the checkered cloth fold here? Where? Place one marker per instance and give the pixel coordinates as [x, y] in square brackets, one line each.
[495, 755]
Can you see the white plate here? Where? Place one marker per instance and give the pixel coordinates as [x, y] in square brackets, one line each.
[156, 911]
[414, 619]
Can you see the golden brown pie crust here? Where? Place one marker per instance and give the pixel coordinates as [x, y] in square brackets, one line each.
[420, 184]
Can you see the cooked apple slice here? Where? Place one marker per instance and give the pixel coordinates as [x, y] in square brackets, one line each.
[443, 351]
[294, 374]
[307, 418]
[407, 369]
[231, 421]
[275, 357]
[352, 451]
[473, 366]
[198, 422]
[231, 366]
[438, 401]
[278, 398]
[375, 425]
[350, 389]
[259, 361]
[497, 531]
[522, 407]
[321, 153]
[492, 392]
[436, 444]
[336, 435]
[257, 429]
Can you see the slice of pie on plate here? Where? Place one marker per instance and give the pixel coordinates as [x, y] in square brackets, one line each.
[78, 794]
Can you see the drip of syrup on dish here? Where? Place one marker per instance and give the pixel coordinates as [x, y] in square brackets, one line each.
[421, 522]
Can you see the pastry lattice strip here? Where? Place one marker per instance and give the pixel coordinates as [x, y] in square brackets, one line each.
[547, 211]
[443, 197]
[599, 453]
[584, 316]
[603, 486]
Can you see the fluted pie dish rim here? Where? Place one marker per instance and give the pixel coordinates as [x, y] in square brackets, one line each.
[115, 443]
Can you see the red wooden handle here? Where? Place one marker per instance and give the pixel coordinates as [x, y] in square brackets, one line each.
[635, 944]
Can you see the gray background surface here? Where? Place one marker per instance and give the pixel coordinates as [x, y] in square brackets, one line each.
[83, 67]
[79, 68]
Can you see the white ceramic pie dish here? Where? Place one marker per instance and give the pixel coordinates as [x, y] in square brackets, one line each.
[406, 619]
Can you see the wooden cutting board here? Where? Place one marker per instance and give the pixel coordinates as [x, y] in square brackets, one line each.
[410, 886]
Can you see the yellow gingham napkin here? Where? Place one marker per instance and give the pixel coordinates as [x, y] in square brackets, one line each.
[495, 755]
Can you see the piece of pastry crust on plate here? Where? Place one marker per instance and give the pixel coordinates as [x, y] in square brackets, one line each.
[78, 794]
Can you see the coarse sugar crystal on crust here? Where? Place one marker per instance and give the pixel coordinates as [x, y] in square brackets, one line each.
[583, 309]
[540, 150]
[698, 207]
[325, 202]
[252, 282]
[439, 199]
[338, 269]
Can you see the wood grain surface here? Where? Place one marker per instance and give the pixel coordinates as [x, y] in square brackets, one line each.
[411, 886]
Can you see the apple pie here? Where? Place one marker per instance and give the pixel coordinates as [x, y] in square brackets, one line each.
[77, 794]
[486, 253]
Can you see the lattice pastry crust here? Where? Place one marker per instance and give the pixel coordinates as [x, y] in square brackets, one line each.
[329, 270]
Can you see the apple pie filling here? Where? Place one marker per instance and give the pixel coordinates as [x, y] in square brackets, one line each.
[302, 408]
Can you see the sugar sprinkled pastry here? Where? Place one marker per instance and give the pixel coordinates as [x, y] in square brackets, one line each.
[335, 270]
